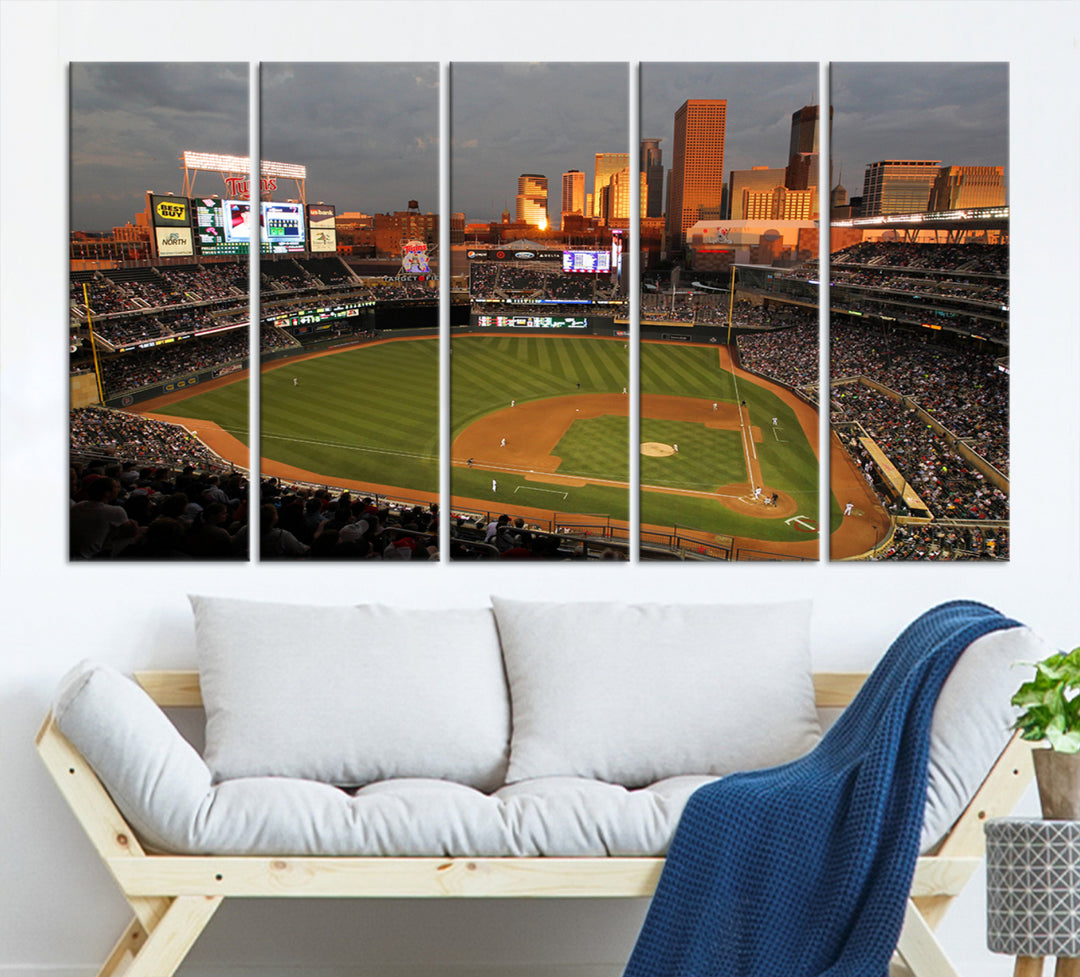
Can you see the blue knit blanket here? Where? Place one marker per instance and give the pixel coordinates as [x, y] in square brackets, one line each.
[804, 870]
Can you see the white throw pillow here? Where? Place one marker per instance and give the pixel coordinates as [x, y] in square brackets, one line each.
[633, 693]
[351, 695]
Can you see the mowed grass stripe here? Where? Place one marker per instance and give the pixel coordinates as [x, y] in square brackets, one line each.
[685, 371]
[488, 372]
[596, 447]
[369, 414]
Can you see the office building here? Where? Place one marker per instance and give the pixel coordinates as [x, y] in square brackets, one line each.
[605, 166]
[898, 186]
[652, 166]
[779, 204]
[532, 199]
[620, 187]
[759, 179]
[805, 130]
[573, 195]
[962, 187]
[697, 165]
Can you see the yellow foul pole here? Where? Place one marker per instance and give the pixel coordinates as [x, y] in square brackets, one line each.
[731, 303]
[93, 345]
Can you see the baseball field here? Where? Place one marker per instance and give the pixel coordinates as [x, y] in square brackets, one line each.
[538, 425]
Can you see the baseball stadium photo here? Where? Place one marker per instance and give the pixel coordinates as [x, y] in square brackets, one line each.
[577, 424]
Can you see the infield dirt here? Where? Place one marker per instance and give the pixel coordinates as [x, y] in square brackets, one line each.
[532, 430]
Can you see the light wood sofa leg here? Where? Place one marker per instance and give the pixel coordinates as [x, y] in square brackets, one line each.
[919, 948]
[159, 951]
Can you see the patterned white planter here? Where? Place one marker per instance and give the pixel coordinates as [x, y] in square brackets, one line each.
[1033, 887]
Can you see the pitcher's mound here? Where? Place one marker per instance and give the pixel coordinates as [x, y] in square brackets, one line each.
[656, 449]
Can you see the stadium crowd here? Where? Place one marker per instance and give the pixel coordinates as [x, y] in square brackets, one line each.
[963, 389]
[144, 367]
[949, 486]
[946, 543]
[988, 259]
[495, 281]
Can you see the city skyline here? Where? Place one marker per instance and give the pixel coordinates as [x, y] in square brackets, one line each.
[546, 118]
[131, 120]
[957, 112]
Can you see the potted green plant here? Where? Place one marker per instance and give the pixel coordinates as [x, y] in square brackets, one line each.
[1051, 713]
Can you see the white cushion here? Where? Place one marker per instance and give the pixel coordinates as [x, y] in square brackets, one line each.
[351, 695]
[163, 787]
[972, 722]
[634, 693]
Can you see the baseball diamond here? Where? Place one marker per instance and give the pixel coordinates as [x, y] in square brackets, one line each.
[566, 450]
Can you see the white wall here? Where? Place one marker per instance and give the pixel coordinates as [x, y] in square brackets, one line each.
[59, 912]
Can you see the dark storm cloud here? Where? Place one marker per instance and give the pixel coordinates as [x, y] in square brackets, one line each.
[761, 98]
[955, 112]
[368, 133]
[514, 118]
[130, 121]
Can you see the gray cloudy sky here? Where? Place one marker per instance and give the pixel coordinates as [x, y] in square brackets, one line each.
[368, 132]
[130, 122]
[957, 112]
[547, 118]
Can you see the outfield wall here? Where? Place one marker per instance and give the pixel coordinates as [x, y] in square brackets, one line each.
[595, 325]
[176, 384]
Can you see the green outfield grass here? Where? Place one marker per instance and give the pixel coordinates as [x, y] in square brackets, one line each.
[371, 414]
[226, 406]
[487, 372]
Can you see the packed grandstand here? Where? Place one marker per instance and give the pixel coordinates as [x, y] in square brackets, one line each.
[918, 366]
[918, 362]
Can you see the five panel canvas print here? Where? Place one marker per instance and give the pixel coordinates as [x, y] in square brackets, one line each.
[633, 333]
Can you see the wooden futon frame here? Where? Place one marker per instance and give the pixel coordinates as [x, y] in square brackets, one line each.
[173, 897]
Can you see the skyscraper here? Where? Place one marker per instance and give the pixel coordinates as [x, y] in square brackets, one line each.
[805, 130]
[804, 149]
[606, 165]
[960, 187]
[652, 166]
[573, 193]
[898, 186]
[697, 166]
[620, 190]
[759, 179]
[532, 199]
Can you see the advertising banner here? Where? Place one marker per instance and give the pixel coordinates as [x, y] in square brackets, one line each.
[170, 211]
[323, 240]
[320, 215]
[173, 242]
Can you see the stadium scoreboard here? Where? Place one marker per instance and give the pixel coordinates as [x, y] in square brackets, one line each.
[532, 322]
[209, 213]
[321, 317]
[282, 227]
[587, 262]
[224, 226]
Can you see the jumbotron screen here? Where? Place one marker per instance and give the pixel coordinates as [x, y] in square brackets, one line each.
[532, 322]
[209, 214]
[283, 228]
[589, 262]
[224, 226]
